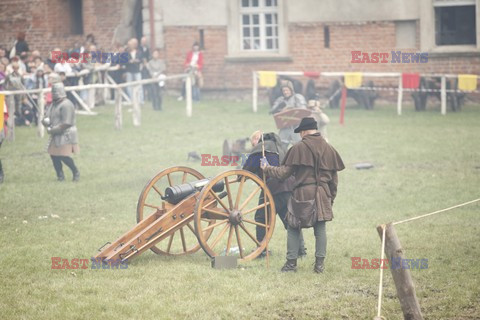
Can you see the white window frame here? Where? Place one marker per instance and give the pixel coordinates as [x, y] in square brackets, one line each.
[262, 10]
[235, 32]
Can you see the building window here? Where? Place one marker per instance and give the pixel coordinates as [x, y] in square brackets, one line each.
[76, 16]
[259, 25]
[455, 23]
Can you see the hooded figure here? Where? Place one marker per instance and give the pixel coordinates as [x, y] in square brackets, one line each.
[314, 163]
[60, 122]
[288, 100]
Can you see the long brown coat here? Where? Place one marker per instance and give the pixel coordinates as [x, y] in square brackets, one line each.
[300, 162]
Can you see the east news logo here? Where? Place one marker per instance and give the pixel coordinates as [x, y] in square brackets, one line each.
[384, 57]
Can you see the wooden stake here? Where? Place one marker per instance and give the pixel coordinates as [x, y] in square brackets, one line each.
[401, 277]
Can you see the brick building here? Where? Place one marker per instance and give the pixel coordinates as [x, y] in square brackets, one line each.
[239, 36]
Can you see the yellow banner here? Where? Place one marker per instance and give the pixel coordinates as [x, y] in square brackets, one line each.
[353, 79]
[467, 82]
[267, 78]
[2, 110]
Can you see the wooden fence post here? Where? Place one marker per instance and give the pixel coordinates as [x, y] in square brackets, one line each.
[255, 92]
[402, 277]
[118, 109]
[188, 93]
[443, 96]
[136, 114]
[10, 100]
[91, 98]
[41, 112]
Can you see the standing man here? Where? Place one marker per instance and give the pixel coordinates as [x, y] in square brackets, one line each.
[60, 123]
[135, 59]
[288, 100]
[281, 189]
[314, 164]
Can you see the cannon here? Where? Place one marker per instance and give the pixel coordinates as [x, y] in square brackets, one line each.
[179, 211]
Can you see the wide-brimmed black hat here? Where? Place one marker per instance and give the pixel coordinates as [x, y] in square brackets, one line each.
[307, 123]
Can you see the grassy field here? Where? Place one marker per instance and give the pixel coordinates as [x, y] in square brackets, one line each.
[423, 162]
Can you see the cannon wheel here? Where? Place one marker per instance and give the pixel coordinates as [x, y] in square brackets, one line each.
[166, 177]
[234, 214]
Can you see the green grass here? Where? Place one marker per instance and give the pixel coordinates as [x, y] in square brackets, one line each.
[423, 162]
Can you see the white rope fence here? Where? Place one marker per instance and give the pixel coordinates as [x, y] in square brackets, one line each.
[384, 227]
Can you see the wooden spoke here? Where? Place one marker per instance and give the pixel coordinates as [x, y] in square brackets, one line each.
[240, 189]
[256, 208]
[229, 241]
[239, 242]
[170, 243]
[184, 245]
[229, 194]
[191, 228]
[215, 211]
[154, 189]
[151, 206]
[250, 196]
[158, 191]
[255, 223]
[220, 235]
[218, 200]
[215, 225]
[249, 234]
[169, 180]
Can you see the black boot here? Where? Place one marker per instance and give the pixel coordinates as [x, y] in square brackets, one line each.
[319, 267]
[60, 176]
[290, 265]
[76, 176]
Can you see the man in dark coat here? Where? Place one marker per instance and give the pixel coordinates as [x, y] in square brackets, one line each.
[314, 164]
[281, 190]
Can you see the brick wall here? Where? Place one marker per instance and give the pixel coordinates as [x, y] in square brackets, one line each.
[306, 48]
[47, 23]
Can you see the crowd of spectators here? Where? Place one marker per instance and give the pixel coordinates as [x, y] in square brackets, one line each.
[22, 67]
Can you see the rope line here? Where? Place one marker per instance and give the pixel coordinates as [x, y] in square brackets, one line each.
[380, 285]
[435, 212]
[410, 89]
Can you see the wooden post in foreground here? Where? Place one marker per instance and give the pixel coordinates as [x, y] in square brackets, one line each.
[401, 277]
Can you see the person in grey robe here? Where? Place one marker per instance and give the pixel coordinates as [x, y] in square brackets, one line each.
[288, 100]
[60, 123]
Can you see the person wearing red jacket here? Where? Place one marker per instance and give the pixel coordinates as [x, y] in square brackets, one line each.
[193, 66]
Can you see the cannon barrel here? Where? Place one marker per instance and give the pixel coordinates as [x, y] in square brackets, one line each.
[175, 194]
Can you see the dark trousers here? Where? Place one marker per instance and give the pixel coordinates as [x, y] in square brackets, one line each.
[57, 165]
[281, 201]
[156, 94]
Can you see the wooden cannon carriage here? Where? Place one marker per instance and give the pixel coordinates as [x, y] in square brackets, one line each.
[179, 212]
